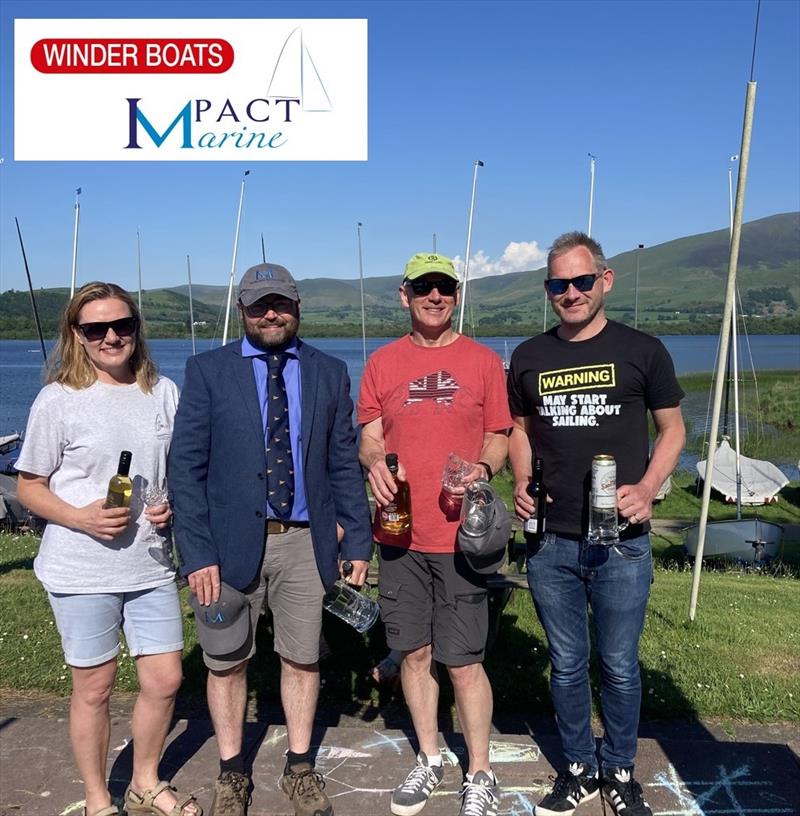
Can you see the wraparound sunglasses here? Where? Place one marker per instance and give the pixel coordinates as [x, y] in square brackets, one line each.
[124, 327]
[583, 283]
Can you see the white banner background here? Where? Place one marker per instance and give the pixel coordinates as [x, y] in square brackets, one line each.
[85, 117]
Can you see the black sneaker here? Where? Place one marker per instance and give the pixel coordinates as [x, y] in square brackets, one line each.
[413, 794]
[479, 797]
[624, 793]
[571, 787]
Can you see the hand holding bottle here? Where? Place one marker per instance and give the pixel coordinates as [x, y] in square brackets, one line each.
[395, 515]
[102, 522]
[382, 483]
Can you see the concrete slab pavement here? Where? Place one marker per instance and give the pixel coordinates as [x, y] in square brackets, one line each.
[685, 771]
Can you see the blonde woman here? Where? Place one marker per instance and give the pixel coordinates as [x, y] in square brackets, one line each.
[105, 569]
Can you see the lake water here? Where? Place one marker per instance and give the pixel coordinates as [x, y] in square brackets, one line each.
[21, 366]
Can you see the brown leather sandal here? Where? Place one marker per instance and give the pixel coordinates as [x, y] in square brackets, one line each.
[142, 804]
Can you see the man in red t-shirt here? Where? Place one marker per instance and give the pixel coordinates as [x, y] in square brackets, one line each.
[431, 393]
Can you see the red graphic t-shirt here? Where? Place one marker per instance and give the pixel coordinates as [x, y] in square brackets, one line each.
[432, 402]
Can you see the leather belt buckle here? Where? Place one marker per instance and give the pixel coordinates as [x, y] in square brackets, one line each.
[276, 527]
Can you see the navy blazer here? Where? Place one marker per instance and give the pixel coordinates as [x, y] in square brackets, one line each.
[217, 466]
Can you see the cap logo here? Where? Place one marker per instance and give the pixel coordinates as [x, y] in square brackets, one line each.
[218, 618]
[267, 274]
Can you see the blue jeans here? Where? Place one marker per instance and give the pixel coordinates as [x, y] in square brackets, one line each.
[567, 577]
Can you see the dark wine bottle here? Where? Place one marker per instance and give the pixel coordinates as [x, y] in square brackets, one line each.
[534, 527]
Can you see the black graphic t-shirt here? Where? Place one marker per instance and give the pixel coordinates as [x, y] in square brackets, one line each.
[587, 398]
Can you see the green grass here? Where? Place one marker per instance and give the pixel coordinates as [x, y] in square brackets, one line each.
[740, 659]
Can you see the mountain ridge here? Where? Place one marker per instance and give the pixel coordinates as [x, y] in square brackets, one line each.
[681, 282]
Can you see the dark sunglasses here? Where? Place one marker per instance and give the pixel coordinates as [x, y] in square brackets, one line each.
[583, 283]
[261, 307]
[445, 286]
[124, 327]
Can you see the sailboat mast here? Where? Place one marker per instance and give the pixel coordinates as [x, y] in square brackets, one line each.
[730, 292]
[139, 264]
[478, 163]
[735, 356]
[233, 261]
[361, 287]
[592, 160]
[75, 243]
[191, 305]
[30, 290]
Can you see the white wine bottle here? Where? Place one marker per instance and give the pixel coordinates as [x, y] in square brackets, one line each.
[120, 487]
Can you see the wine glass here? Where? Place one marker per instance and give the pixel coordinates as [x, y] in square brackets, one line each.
[153, 495]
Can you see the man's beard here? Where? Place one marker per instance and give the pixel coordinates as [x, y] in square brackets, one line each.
[275, 340]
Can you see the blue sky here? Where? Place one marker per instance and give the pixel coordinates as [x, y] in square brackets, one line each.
[654, 89]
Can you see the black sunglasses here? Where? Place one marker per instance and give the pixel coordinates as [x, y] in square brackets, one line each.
[124, 327]
[583, 283]
[261, 307]
[424, 286]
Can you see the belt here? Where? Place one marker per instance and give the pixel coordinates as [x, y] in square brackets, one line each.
[275, 527]
[631, 531]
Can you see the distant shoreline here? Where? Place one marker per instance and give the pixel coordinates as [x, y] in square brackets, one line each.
[788, 328]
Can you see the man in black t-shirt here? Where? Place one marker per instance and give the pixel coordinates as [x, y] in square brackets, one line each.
[581, 389]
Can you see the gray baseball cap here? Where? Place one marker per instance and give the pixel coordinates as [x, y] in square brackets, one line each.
[486, 551]
[222, 627]
[266, 279]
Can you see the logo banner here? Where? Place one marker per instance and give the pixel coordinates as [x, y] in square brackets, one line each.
[190, 90]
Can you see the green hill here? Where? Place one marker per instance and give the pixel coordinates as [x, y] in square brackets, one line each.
[681, 290]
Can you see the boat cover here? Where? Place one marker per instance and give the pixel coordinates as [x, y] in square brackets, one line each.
[761, 480]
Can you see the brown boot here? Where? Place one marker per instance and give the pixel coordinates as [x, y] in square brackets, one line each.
[231, 795]
[304, 787]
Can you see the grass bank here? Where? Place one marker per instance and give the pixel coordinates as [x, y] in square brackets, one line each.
[770, 427]
[740, 659]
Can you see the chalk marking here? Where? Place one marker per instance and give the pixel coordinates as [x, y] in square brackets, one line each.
[513, 752]
[277, 735]
[337, 752]
[384, 740]
[695, 806]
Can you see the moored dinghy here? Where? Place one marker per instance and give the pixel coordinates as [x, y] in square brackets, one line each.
[737, 540]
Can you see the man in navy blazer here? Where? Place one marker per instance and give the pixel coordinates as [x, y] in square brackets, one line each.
[267, 491]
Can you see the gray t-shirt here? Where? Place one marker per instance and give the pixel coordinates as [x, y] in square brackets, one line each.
[75, 437]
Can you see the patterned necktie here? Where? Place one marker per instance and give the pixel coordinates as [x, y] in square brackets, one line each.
[280, 470]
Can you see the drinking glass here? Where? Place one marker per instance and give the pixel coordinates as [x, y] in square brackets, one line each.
[153, 495]
[454, 473]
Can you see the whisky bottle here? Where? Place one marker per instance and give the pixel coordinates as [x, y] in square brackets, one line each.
[395, 517]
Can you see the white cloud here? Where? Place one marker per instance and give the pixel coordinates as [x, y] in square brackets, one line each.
[518, 256]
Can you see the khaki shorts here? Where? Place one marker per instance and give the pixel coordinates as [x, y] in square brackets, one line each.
[289, 582]
[434, 598]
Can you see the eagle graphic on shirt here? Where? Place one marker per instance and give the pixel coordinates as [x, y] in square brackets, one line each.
[440, 387]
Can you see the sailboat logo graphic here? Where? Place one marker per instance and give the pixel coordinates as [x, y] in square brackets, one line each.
[296, 75]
